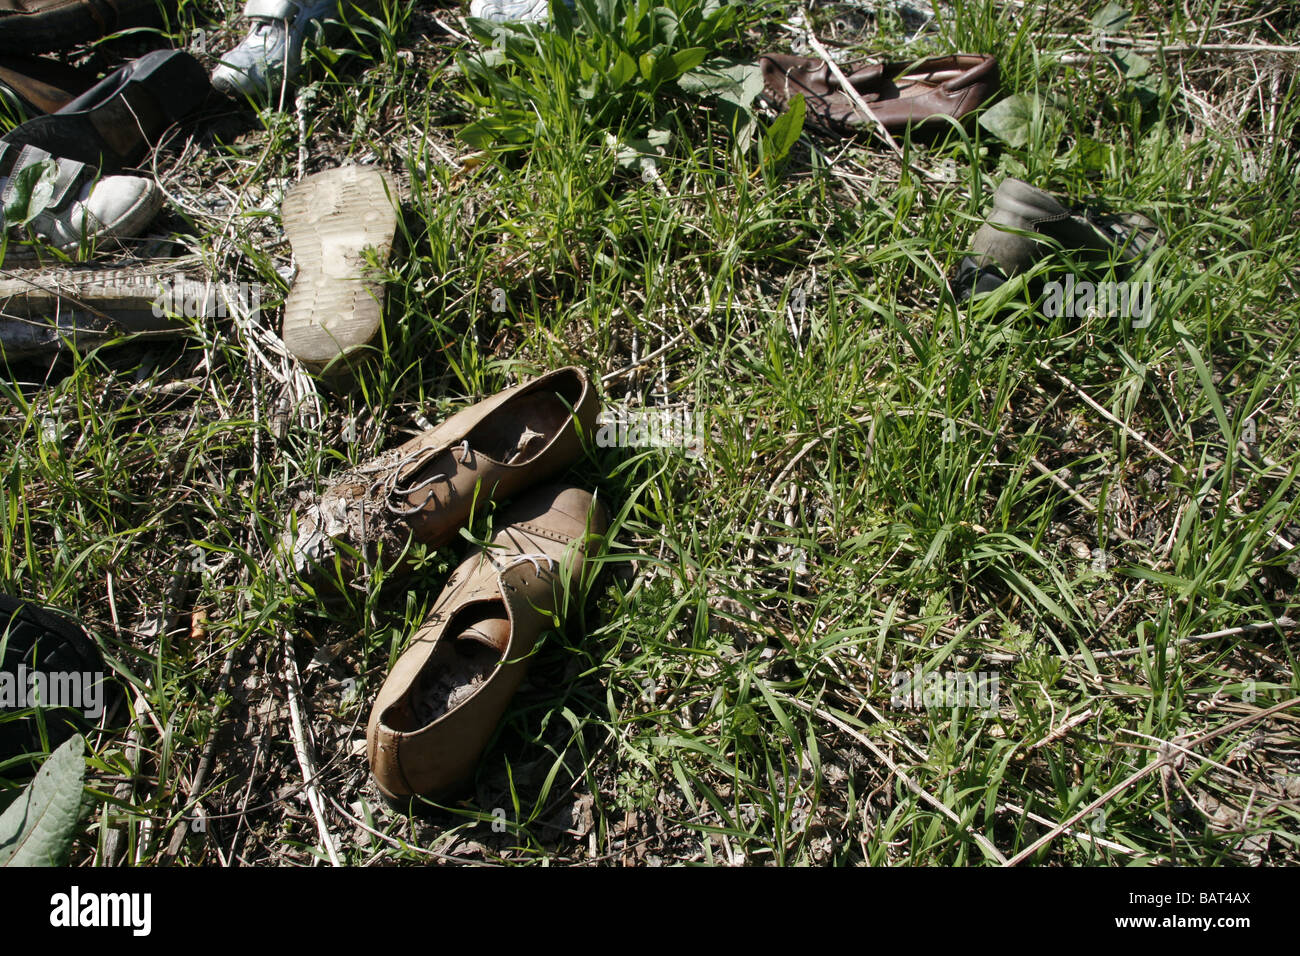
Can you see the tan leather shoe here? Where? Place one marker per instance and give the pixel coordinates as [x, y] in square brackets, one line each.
[438, 708]
[425, 490]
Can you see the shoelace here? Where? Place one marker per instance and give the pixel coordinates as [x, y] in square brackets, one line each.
[503, 566]
[393, 494]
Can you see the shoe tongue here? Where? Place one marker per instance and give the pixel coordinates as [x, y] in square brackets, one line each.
[492, 629]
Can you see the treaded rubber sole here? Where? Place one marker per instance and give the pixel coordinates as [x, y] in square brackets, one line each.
[330, 219]
[43, 311]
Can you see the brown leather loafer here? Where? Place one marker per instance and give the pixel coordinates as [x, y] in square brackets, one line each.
[438, 708]
[899, 95]
[425, 489]
[42, 86]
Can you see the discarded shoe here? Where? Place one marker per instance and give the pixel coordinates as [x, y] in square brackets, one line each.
[115, 123]
[513, 11]
[330, 218]
[41, 86]
[1025, 224]
[446, 694]
[899, 95]
[39, 26]
[43, 311]
[80, 208]
[50, 667]
[426, 489]
[271, 55]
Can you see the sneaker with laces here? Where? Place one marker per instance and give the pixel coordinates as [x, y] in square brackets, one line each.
[271, 54]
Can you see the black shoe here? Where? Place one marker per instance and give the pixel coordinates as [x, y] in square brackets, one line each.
[119, 119]
[47, 657]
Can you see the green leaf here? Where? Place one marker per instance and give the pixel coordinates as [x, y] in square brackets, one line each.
[1112, 18]
[729, 79]
[1207, 382]
[1012, 120]
[1131, 64]
[735, 84]
[636, 150]
[686, 60]
[784, 131]
[33, 190]
[38, 828]
[482, 133]
[624, 69]
[740, 120]
[1093, 154]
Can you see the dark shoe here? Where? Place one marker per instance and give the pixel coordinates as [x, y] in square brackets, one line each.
[39, 26]
[44, 311]
[1025, 224]
[426, 490]
[41, 86]
[46, 657]
[445, 696]
[114, 123]
[899, 95]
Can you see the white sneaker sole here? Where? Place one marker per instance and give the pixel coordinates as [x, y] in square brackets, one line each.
[334, 308]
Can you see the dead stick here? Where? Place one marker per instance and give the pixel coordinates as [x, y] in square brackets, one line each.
[1133, 778]
[898, 772]
[302, 748]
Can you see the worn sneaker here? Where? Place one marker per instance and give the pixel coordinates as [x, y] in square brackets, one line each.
[271, 54]
[513, 11]
[1026, 224]
[81, 207]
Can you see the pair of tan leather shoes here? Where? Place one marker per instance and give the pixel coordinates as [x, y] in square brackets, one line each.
[440, 704]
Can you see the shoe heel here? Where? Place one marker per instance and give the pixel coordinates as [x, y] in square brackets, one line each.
[173, 79]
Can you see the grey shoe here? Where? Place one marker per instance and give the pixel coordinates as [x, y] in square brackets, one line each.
[1026, 224]
[512, 11]
[271, 54]
[80, 207]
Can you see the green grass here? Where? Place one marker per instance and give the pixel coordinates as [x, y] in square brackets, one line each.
[871, 498]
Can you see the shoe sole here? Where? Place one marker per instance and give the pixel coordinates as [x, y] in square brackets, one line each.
[334, 308]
